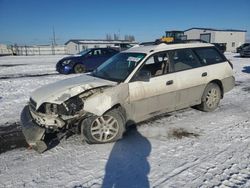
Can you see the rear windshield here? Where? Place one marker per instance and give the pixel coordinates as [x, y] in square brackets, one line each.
[209, 56]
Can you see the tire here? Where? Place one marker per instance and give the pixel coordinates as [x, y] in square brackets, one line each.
[79, 68]
[210, 98]
[103, 129]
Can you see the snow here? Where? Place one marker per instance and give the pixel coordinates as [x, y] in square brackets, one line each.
[214, 151]
[25, 73]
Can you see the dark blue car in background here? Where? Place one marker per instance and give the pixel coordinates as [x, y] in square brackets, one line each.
[85, 61]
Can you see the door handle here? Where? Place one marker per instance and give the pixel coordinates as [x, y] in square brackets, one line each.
[204, 74]
[170, 82]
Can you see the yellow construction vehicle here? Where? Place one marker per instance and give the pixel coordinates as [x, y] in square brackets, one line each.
[173, 36]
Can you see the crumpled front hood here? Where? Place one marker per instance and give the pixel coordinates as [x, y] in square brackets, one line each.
[61, 91]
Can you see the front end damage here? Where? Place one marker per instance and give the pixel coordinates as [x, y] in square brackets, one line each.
[34, 134]
[41, 131]
[59, 108]
[40, 123]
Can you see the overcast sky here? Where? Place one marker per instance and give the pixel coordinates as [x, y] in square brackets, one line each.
[32, 21]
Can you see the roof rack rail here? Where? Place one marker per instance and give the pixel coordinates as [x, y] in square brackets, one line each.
[147, 43]
[183, 41]
[157, 42]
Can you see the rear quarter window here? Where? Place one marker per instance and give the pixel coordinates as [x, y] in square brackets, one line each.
[209, 56]
[183, 59]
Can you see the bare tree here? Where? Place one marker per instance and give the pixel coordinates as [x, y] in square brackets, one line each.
[16, 49]
[108, 36]
[10, 48]
[116, 36]
[129, 38]
[132, 38]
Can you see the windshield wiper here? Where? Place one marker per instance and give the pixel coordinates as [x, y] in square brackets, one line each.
[105, 74]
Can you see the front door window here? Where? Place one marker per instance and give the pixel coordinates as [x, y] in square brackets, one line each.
[156, 94]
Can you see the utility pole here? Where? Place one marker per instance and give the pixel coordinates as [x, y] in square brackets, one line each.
[53, 42]
[54, 36]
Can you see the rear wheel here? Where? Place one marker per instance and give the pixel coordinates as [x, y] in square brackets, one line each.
[103, 129]
[211, 98]
[79, 68]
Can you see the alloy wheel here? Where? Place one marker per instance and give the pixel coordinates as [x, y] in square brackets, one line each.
[104, 128]
[212, 98]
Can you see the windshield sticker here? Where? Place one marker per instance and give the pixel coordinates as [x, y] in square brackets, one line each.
[134, 59]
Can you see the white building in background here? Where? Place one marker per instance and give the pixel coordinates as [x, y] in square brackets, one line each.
[4, 50]
[231, 37]
[74, 46]
[27, 50]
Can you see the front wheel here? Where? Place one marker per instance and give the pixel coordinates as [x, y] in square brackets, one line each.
[210, 98]
[79, 68]
[103, 129]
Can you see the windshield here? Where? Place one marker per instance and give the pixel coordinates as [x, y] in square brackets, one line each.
[84, 52]
[118, 67]
[176, 34]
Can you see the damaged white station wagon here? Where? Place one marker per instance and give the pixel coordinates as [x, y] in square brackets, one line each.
[132, 86]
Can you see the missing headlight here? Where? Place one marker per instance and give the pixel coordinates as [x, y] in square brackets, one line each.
[71, 106]
[51, 108]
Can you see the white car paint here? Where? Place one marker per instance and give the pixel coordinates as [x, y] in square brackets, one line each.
[137, 100]
[61, 91]
[134, 93]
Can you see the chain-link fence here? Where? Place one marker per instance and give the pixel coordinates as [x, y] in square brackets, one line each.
[37, 50]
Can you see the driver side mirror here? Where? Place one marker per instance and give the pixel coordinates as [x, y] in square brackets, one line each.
[143, 75]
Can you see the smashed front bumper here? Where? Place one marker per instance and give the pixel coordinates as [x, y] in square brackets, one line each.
[34, 134]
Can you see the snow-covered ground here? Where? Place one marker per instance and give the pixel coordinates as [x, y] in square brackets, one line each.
[19, 76]
[187, 148]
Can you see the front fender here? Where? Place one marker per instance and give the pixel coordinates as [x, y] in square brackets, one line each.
[101, 102]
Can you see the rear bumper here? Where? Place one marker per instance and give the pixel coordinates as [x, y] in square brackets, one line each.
[228, 83]
[33, 133]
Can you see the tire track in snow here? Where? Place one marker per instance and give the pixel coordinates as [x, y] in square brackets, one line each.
[197, 168]
[11, 137]
[16, 76]
[183, 168]
[226, 168]
[209, 171]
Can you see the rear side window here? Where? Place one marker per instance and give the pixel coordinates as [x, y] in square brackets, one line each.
[209, 56]
[183, 59]
[97, 52]
[108, 51]
[104, 51]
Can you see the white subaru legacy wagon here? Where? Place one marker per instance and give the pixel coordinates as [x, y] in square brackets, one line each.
[132, 86]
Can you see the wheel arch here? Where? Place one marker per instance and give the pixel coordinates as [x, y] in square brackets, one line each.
[219, 83]
[86, 124]
[113, 97]
[120, 108]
